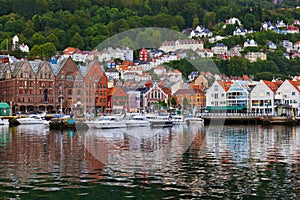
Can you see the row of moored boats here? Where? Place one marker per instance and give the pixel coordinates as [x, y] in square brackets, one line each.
[112, 121]
[142, 121]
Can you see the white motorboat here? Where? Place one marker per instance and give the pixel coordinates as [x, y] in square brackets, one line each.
[161, 121]
[46, 123]
[190, 120]
[109, 122]
[31, 119]
[4, 122]
[90, 123]
[177, 119]
[137, 121]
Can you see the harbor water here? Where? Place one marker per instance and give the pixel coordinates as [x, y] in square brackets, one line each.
[180, 162]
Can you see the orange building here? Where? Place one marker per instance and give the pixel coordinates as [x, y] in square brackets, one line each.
[194, 98]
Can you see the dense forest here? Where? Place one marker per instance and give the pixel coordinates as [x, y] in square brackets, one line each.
[48, 26]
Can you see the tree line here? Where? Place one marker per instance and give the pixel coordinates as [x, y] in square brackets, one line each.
[47, 26]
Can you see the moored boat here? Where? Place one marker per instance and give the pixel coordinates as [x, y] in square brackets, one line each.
[137, 121]
[4, 122]
[31, 119]
[177, 119]
[190, 120]
[161, 121]
[109, 122]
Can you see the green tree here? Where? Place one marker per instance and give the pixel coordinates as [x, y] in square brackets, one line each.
[173, 101]
[249, 21]
[237, 66]
[6, 7]
[53, 39]
[38, 39]
[77, 41]
[263, 76]
[36, 23]
[196, 22]
[62, 37]
[209, 20]
[54, 5]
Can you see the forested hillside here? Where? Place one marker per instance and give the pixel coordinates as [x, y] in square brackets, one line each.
[47, 26]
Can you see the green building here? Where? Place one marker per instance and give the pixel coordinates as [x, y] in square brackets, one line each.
[4, 109]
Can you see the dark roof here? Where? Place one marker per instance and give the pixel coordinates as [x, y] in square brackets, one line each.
[143, 90]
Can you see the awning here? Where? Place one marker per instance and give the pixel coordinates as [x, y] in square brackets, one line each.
[4, 105]
[225, 108]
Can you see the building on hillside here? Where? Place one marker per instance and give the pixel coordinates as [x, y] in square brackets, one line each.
[172, 46]
[159, 70]
[199, 81]
[292, 29]
[205, 53]
[239, 31]
[219, 49]
[250, 43]
[254, 56]
[234, 21]
[143, 55]
[112, 73]
[17, 46]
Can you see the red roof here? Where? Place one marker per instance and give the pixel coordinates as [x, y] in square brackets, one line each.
[272, 85]
[296, 84]
[225, 84]
[69, 50]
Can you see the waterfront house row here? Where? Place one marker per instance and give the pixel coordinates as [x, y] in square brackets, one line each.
[30, 86]
[261, 97]
[40, 85]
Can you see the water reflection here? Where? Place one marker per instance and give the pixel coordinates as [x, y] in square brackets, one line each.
[231, 162]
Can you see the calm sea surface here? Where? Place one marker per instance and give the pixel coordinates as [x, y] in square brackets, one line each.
[182, 162]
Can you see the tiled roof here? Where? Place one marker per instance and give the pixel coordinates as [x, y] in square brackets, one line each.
[272, 85]
[225, 84]
[295, 84]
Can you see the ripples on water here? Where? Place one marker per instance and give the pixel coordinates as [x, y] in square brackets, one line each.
[231, 162]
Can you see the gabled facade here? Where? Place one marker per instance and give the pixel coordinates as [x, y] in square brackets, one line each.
[238, 95]
[150, 97]
[31, 86]
[195, 98]
[68, 85]
[95, 89]
[216, 94]
[289, 94]
[262, 98]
